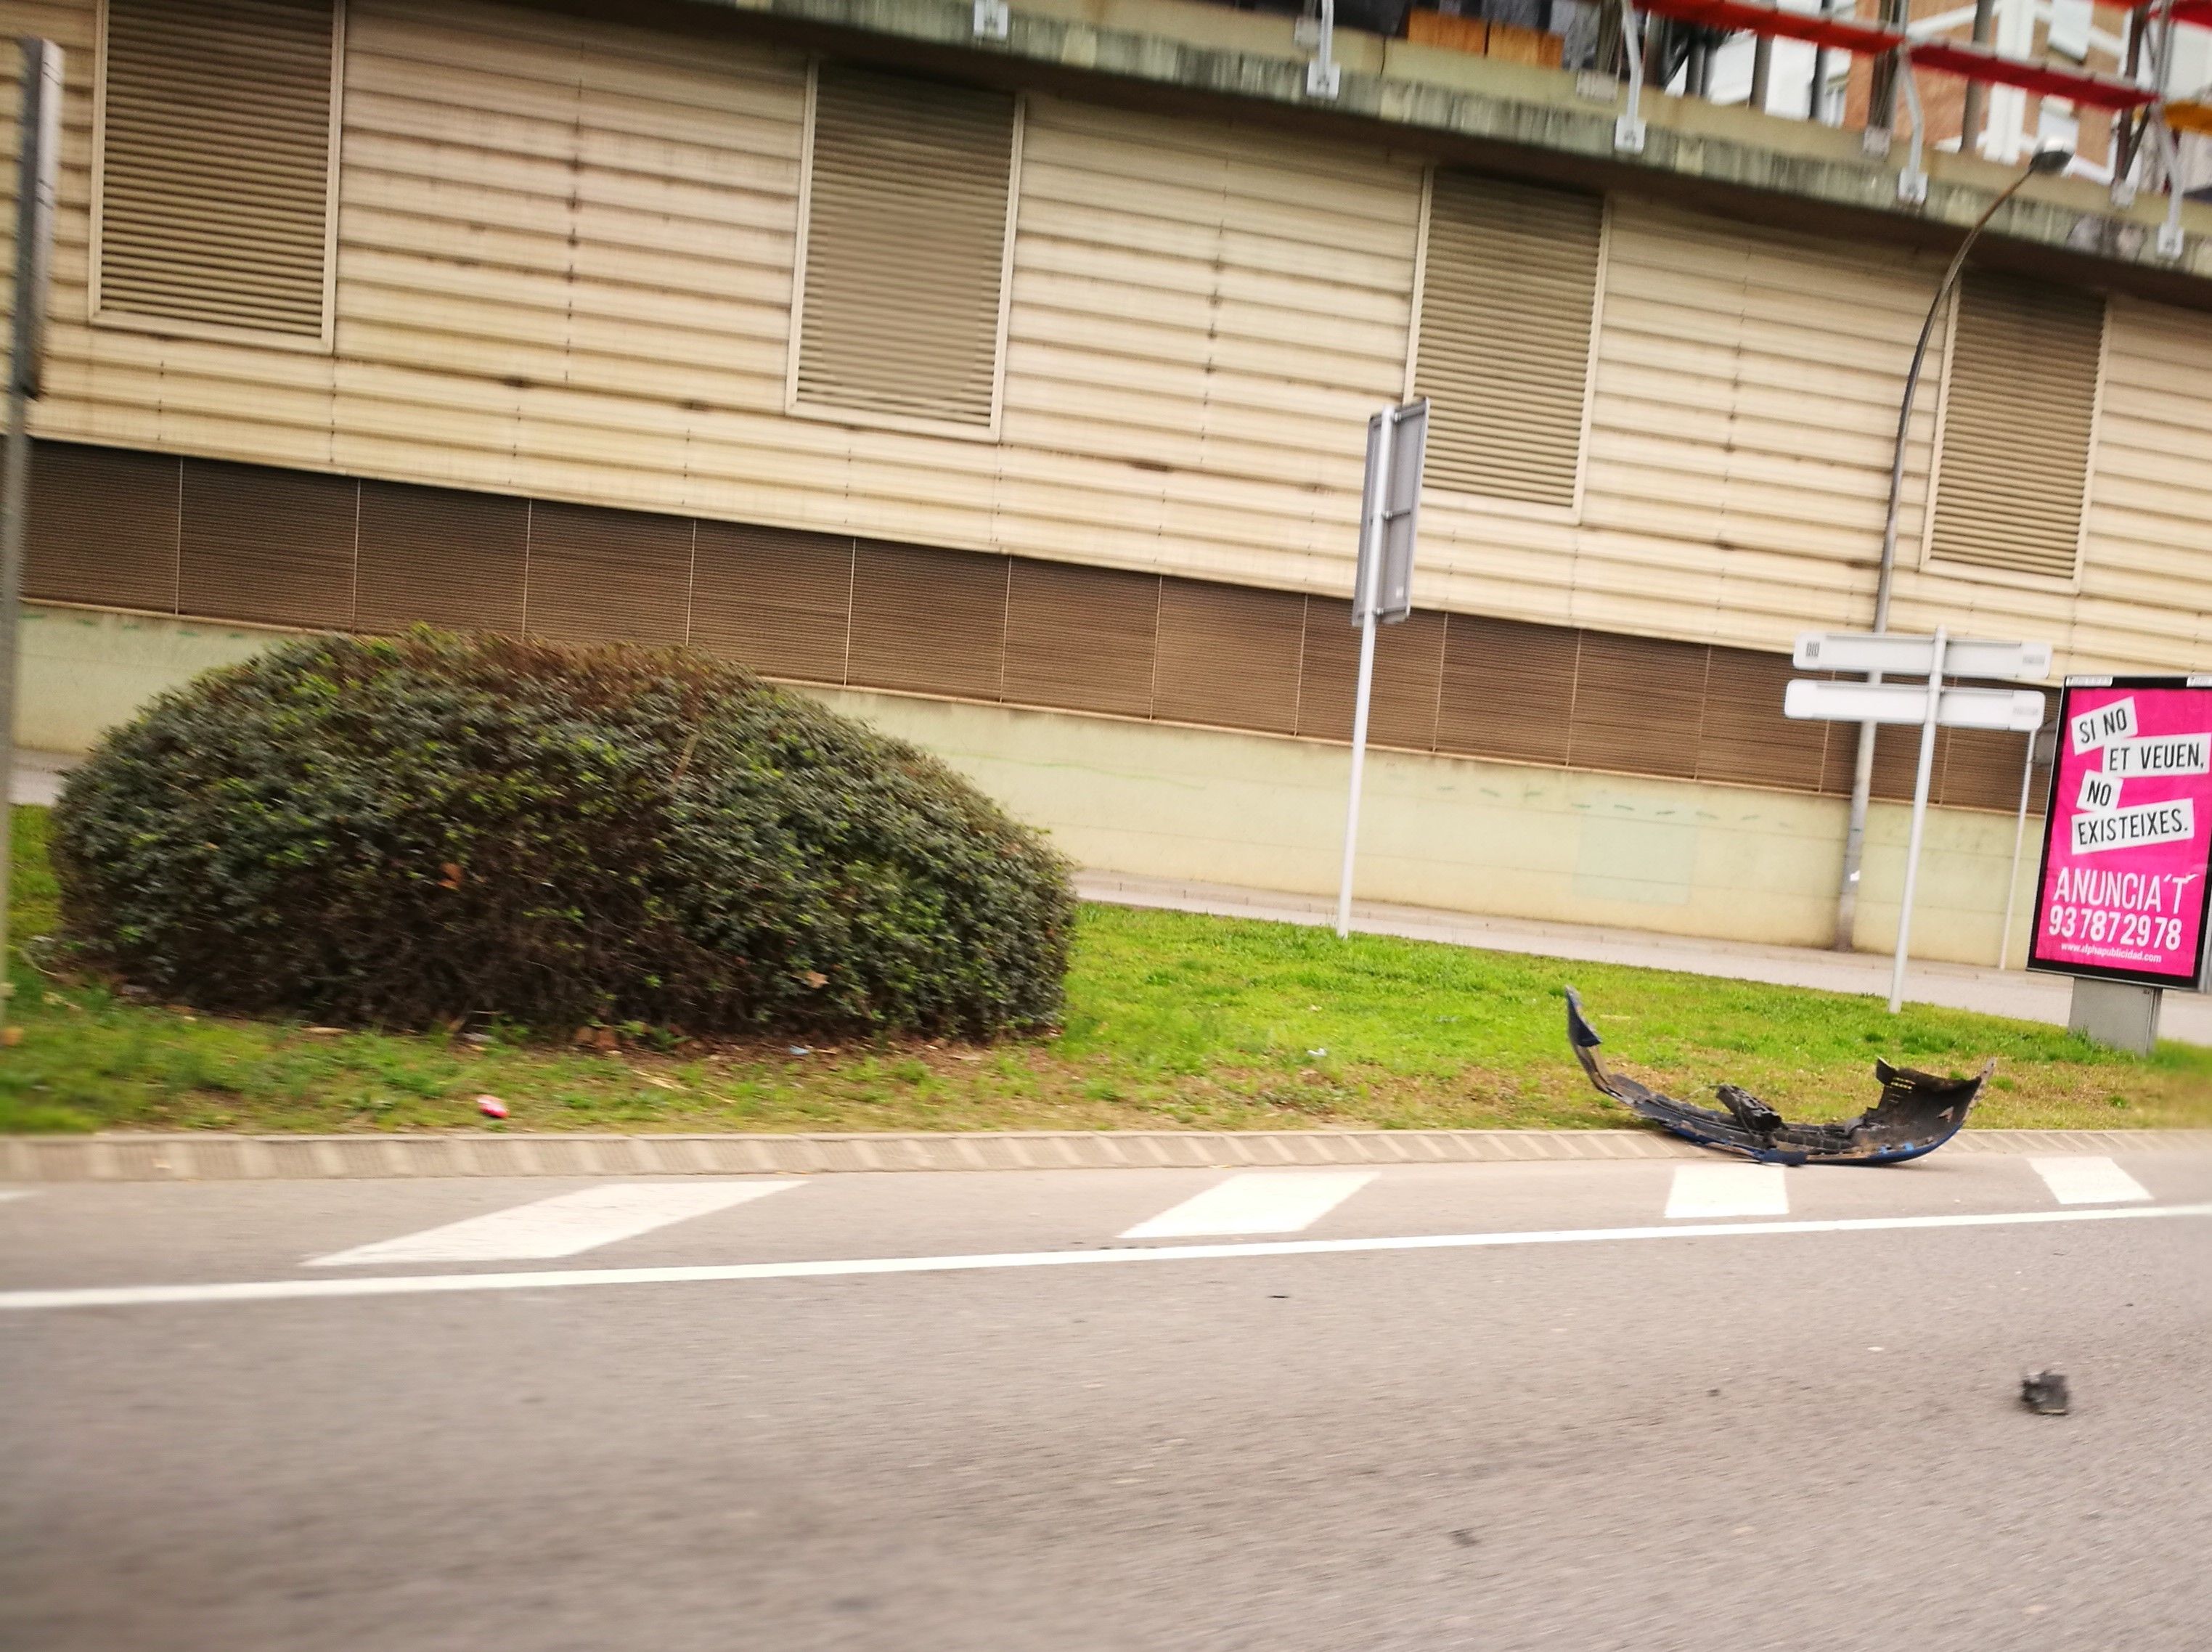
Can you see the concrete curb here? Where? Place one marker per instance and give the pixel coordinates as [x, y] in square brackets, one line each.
[208, 1157]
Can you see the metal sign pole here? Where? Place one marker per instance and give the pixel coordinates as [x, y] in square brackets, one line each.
[1919, 820]
[40, 139]
[2019, 840]
[1364, 606]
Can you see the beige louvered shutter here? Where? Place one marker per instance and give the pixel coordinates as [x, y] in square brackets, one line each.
[905, 243]
[214, 183]
[1508, 289]
[2017, 418]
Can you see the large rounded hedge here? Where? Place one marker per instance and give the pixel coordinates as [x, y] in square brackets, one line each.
[409, 831]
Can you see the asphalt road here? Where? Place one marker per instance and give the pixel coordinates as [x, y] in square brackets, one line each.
[1801, 1435]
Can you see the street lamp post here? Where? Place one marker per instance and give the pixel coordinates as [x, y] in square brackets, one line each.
[2044, 163]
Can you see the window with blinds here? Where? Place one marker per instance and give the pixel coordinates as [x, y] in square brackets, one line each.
[907, 191]
[1509, 286]
[2019, 404]
[216, 162]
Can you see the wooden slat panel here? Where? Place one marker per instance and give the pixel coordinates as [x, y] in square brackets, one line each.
[905, 245]
[1744, 739]
[102, 526]
[1081, 637]
[1229, 654]
[2017, 418]
[1638, 701]
[276, 546]
[1409, 663]
[1508, 690]
[440, 556]
[776, 600]
[1508, 291]
[933, 622]
[608, 576]
[216, 166]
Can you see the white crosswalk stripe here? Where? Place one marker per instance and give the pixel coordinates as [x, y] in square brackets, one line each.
[1257, 1201]
[563, 1225]
[1706, 1191]
[2087, 1180]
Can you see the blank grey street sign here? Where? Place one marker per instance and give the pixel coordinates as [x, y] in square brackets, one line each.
[1902, 654]
[2018, 711]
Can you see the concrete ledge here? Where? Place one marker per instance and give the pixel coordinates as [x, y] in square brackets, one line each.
[206, 1157]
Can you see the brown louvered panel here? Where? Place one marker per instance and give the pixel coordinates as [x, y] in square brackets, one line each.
[1897, 761]
[440, 556]
[214, 171]
[275, 546]
[1081, 637]
[602, 575]
[2017, 414]
[1981, 770]
[905, 231]
[777, 599]
[929, 621]
[1229, 654]
[103, 527]
[1745, 739]
[1509, 286]
[1409, 660]
[1508, 690]
[1840, 752]
[1638, 701]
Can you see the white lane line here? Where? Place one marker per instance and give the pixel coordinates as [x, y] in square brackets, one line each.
[1705, 1192]
[416, 1284]
[14, 1193]
[2088, 1181]
[1257, 1201]
[560, 1226]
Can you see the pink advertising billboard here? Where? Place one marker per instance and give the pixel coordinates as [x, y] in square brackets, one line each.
[2129, 837]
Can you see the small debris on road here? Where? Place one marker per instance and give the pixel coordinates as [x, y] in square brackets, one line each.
[324, 1032]
[2046, 1393]
[657, 1082]
[491, 1107]
[802, 1049]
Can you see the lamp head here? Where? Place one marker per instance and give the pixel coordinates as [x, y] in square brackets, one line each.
[2044, 162]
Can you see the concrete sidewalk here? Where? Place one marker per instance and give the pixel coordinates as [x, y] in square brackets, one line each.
[2024, 997]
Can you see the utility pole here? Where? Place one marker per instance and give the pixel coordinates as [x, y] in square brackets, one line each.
[40, 142]
[2045, 162]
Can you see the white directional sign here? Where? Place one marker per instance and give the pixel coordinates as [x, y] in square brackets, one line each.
[2019, 711]
[1899, 653]
[1933, 703]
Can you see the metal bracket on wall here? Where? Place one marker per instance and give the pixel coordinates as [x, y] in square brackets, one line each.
[992, 19]
[1317, 29]
[1912, 181]
[1628, 130]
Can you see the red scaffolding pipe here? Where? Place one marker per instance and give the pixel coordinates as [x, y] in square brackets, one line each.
[1975, 63]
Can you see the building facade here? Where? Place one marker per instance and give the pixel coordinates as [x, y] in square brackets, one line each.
[1011, 394]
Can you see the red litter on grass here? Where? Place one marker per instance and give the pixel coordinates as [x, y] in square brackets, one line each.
[491, 1107]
